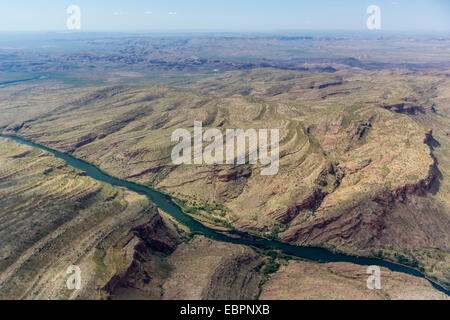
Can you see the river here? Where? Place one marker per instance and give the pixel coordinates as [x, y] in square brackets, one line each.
[165, 203]
[10, 83]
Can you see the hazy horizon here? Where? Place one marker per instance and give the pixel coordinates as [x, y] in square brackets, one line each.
[231, 16]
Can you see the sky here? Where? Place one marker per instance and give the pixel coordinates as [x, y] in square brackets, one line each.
[225, 15]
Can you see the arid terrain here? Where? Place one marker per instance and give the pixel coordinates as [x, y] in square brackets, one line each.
[364, 166]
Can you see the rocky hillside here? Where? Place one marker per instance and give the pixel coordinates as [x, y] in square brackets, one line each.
[301, 280]
[358, 173]
[53, 217]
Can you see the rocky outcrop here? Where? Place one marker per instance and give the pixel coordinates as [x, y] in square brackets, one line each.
[357, 226]
[240, 277]
[151, 238]
[353, 227]
[326, 182]
[234, 174]
[429, 139]
[328, 84]
[310, 202]
[405, 108]
[156, 236]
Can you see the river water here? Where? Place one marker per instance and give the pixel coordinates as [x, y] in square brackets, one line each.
[10, 83]
[165, 203]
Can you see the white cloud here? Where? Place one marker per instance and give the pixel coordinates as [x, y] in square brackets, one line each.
[172, 13]
[148, 12]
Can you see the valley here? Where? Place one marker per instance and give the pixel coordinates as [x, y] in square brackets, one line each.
[364, 168]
